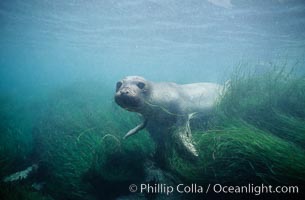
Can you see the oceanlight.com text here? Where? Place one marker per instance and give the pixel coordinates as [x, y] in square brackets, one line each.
[255, 189]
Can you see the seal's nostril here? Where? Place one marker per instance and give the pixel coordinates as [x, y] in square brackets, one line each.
[124, 92]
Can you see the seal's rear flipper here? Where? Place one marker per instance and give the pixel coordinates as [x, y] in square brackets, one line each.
[183, 136]
[187, 143]
[136, 129]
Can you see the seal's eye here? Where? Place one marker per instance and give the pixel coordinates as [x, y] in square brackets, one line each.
[141, 85]
[118, 85]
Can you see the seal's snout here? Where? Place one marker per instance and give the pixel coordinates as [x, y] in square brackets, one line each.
[126, 98]
[125, 92]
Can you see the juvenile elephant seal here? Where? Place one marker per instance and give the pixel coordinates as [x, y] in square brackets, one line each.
[166, 108]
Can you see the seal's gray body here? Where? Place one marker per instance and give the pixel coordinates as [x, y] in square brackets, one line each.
[185, 99]
[167, 108]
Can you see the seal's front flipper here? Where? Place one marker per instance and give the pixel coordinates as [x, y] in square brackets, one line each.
[136, 129]
[184, 138]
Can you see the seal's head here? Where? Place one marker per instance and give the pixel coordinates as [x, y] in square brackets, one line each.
[131, 93]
